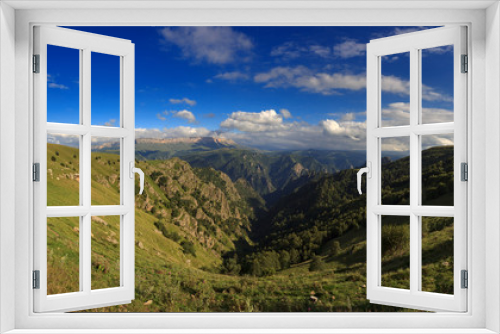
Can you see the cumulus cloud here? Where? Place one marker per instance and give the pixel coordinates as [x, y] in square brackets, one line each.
[185, 114]
[398, 113]
[63, 139]
[349, 48]
[286, 113]
[267, 120]
[347, 117]
[184, 100]
[268, 130]
[396, 85]
[350, 129]
[232, 76]
[177, 132]
[305, 79]
[214, 45]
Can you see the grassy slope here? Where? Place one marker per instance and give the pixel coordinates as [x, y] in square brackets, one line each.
[167, 280]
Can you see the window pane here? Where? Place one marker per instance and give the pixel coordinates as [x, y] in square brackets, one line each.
[395, 95]
[105, 252]
[63, 170]
[105, 171]
[63, 251]
[437, 170]
[105, 89]
[437, 254]
[396, 252]
[437, 84]
[63, 85]
[395, 167]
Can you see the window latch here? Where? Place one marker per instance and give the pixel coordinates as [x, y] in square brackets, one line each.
[134, 170]
[368, 171]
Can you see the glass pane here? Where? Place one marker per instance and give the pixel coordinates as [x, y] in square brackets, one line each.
[105, 252]
[105, 171]
[63, 85]
[105, 89]
[437, 254]
[395, 167]
[437, 170]
[63, 259]
[396, 252]
[395, 95]
[437, 84]
[63, 170]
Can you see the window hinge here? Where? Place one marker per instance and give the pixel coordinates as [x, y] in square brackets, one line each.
[465, 64]
[464, 171]
[36, 63]
[465, 279]
[36, 279]
[36, 172]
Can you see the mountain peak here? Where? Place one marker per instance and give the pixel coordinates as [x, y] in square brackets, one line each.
[188, 140]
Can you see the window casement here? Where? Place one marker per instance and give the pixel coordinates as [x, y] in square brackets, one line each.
[81, 211]
[412, 216]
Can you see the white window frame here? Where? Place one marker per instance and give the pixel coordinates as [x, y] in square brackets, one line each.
[414, 43]
[483, 102]
[86, 44]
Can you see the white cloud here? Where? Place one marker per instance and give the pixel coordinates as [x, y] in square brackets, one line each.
[185, 114]
[349, 48]
[288, 50]
[347, 117]
[58, 86]
[161, 117]
[268, 130]
[291, 50]
[286, 113]
[305, 79]
[232, 76]
[320, 50]
[395, 85]
[398, 113]
[214, 45]
[62, 139]
[111, 122]
[183, 100]
[177, 132]
[52, 84]
[267, 120]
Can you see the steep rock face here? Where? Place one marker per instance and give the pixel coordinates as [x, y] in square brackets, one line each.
[204, 203]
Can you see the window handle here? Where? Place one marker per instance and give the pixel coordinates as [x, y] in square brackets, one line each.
[368, 171]
[134, 170]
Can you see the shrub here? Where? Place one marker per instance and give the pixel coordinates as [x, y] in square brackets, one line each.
[53, 158]
[317, 264]
[188, 248]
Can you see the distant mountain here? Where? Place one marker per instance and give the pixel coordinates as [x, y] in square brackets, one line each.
[165, 148]
[273, 174]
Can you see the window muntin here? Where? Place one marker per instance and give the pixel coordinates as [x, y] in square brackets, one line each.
[421, 137]
[56, 216]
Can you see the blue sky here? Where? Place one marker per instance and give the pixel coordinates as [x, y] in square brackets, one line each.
[264, 87]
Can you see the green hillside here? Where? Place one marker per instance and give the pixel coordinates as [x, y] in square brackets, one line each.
[197, 231]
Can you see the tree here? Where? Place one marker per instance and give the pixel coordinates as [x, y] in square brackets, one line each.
[336, 249]
[317, 264]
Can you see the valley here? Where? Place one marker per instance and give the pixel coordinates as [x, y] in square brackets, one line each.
[223, 228]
